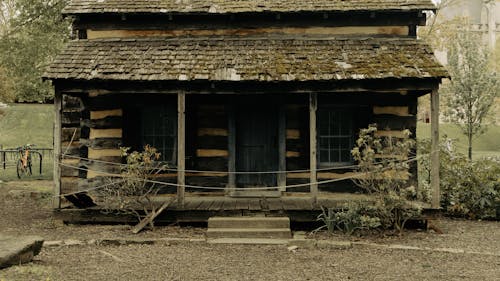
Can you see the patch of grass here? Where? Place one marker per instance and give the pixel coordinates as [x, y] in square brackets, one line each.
[23, 124]
[27, 123]
[487, 144]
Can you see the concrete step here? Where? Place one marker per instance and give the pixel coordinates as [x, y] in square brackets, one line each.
[281, 233]
[249, 222]
[249, 241]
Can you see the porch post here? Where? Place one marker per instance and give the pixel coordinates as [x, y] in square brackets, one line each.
[313, 105]
[282, 148]
[56, 203]
[435, 204]
[181, 147]
[231, 149]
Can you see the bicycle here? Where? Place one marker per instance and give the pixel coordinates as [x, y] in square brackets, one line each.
[24, 163]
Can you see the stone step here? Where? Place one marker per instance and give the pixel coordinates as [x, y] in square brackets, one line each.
[249, 222]
[272, 233]
[249, 241]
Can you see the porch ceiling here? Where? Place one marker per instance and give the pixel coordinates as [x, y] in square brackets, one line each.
[241, 6]
[245, 59]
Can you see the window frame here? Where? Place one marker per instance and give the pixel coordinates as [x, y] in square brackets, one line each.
[170, 113]
[332, 109]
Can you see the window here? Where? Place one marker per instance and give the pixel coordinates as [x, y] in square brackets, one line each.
[335, 135]
[159, 129]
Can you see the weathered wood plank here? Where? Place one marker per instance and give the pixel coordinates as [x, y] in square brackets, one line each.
[241, 204]
[293, 134]
[100, 153]
[181, 147]
[211, 153]
[231, 148]
[150, 218]
[104, 123]
[69, 185]
[100, 114]
[393, 110]
[56, 203]
[292, 154]
[313, 106]
[348, 30]
[436, 196]
[105, 133]
[282, 155]
[212, 132]
[105, 143]
[70, 133]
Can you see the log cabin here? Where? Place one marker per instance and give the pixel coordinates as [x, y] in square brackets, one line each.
[255, 104]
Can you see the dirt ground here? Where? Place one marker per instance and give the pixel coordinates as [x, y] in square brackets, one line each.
[23, 213]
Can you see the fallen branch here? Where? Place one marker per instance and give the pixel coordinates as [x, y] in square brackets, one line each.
[149, 218]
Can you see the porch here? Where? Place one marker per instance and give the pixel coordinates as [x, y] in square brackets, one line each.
[299, 207]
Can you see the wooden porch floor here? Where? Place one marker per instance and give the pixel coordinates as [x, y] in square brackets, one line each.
[295, 202]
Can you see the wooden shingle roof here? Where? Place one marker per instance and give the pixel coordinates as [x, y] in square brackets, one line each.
[241, 6]
[237, 59]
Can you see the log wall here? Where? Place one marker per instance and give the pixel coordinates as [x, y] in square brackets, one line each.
[208, 125]
[71, 114]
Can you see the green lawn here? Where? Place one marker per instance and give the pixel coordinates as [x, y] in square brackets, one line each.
[23, 124]
[487, 144]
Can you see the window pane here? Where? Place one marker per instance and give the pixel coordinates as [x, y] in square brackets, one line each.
[323, 156]
[324, 143]
[159, 126]
[345, 156]
[335, 143]
[335, 134]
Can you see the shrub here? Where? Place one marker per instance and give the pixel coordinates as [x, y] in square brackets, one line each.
[132, 192]
[354, 217]
[469, 189]
[383, 163]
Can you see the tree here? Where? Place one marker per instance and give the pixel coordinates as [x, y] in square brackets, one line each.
[32, 33]
[474, 84]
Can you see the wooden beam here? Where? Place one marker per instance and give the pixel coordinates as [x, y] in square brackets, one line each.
[344, 30]
[181, 147]
[293, 134]
[99, 153]
[232, 148]
[105, 133]
[282, 147]
[150, 218]
[313, 106]
[393, 110]
[436, 196]
[56, 203]
[211, 153]
[100, 114]
[212, 132]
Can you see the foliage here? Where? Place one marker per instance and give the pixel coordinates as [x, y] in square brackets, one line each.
[356, 216]
[32, 33]
[132, 192]
[468, 188]
[383, 164]
[473, 86]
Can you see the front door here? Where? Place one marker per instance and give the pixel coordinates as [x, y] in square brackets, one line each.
[256, 145]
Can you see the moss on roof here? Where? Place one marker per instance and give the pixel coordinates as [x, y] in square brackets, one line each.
[241, 6]
[237, 59]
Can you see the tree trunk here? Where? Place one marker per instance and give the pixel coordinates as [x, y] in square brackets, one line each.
[470, 146]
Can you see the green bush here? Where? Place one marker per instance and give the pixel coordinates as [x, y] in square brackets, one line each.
[354, 217]
[469, 189]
